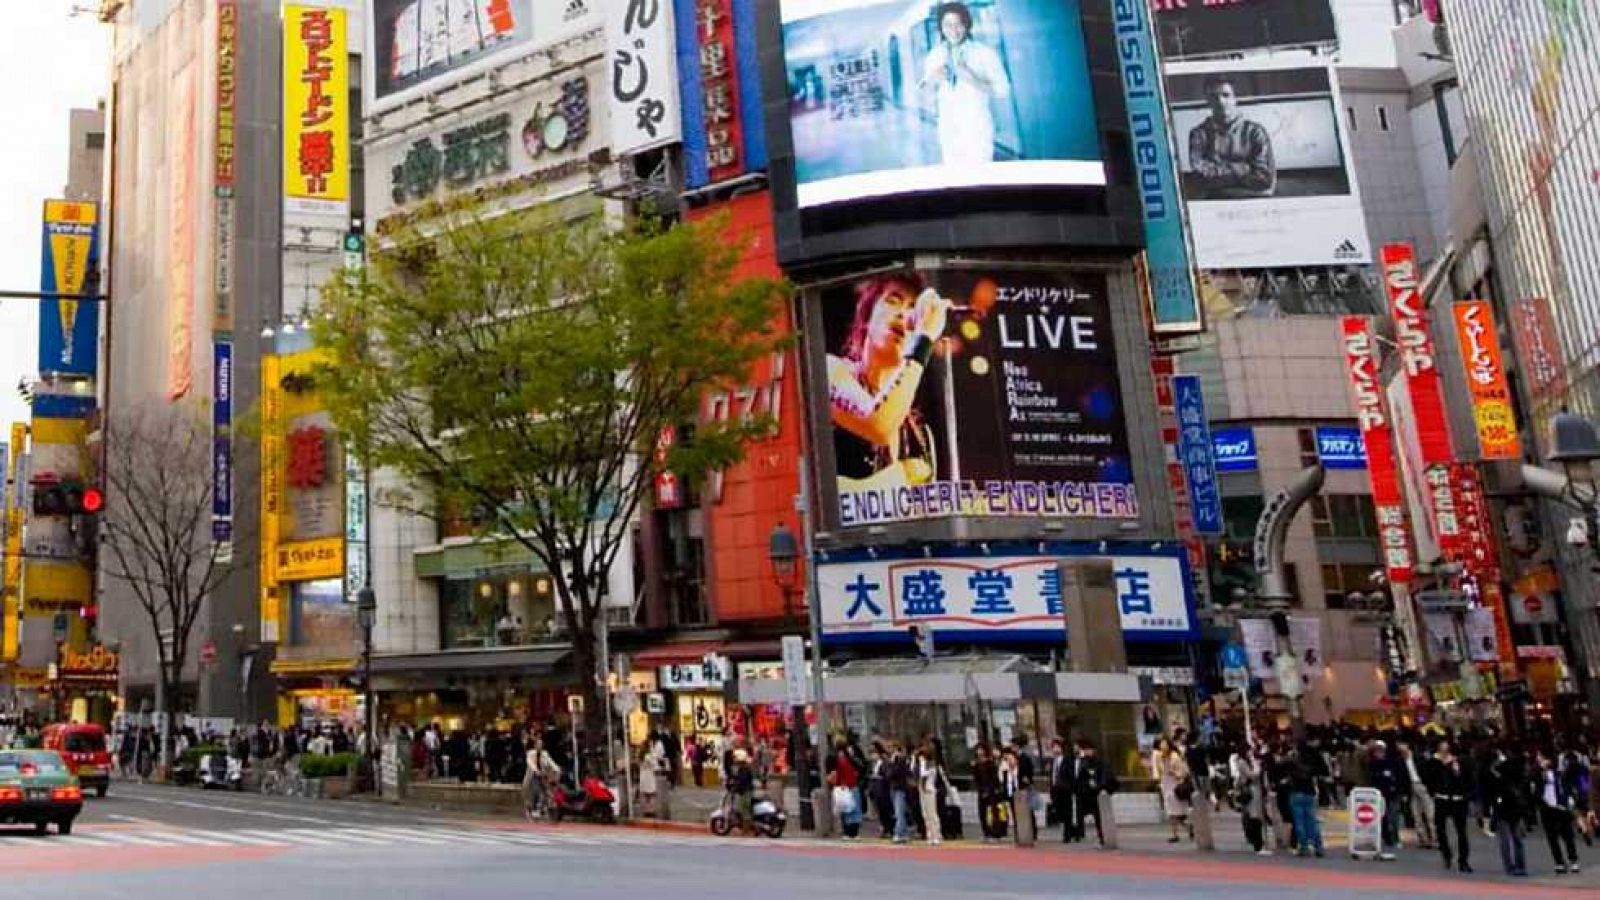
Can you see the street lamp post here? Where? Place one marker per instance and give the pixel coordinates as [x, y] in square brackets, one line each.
[1575, 446]
[783, 551]
[366, 617]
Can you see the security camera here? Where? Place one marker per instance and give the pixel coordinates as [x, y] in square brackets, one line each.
[1578, 532]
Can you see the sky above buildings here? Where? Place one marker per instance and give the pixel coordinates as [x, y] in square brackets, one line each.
[52, 59]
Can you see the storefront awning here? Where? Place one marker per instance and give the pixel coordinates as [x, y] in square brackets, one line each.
[682, 653]
[955, 680]
[525, 660]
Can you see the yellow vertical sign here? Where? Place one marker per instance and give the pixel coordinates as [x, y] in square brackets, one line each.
[316, 105]
[13, 564]
[271, 493]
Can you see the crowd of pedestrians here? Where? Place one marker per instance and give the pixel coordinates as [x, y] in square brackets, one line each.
[1439, 784]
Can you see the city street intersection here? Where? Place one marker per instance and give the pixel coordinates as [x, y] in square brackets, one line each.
[182, 842]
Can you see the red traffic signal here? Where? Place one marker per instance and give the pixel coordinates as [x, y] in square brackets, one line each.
[67, 499]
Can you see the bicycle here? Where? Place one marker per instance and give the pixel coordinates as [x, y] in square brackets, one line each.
[284, 783]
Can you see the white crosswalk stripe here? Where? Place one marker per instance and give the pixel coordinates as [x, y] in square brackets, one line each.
[363, 836]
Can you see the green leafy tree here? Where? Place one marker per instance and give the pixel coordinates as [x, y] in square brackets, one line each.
[523, 366]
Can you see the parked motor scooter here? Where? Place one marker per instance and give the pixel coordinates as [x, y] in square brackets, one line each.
[767, 817]
[594, 801]
[217, 770]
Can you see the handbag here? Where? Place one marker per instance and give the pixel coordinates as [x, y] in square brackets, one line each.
[844, 801]
[1184, 791]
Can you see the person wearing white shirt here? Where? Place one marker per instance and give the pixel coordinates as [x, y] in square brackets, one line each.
[1556, 802]
[965, 77]
[1421, 799]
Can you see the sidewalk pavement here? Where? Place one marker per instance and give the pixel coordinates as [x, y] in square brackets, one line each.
[691, 807]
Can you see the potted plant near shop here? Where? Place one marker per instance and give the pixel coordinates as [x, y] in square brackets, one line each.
[329, 776]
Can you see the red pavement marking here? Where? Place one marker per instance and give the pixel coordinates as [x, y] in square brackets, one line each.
[1169, 868]
[63, 860]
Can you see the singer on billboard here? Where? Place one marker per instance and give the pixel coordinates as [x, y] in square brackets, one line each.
[880, 437]
[965, 75]
[1231, 155]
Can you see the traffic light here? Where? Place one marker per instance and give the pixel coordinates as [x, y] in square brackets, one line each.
[67, 499]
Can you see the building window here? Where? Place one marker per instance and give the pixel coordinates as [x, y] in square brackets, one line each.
[1342, 580]
[1308, 446]
[1383, 118]
[1239, 517]
[504, 609]
[1350, 116]
[94, 140]
[1347, 516]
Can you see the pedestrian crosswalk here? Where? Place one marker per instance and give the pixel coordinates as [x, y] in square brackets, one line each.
[355, 838]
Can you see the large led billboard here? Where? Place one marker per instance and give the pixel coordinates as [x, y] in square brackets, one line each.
[890, 97]
[983, 392]
[420, 45]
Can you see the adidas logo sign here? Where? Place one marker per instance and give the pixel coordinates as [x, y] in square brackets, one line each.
[576, 9]
[1347, 250]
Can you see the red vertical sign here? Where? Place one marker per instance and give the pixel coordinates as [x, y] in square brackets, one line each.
[1538, 349]
[719, 89]
[1409, 310]
[1482, 559]
[1361, 365]
[1162, 369]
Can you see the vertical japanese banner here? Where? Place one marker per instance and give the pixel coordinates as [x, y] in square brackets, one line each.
[271, 491]
[181, 216]
[1161, 371]
[1483, 558]
[1538, 348]
[222, 442]
[711, 92]
[12, 605]
[69, 330]
[1361, 366]
[1486, 378]
[1195, 453]
[643, 79]
[316, 109]
[1419, 363]
[226, 84]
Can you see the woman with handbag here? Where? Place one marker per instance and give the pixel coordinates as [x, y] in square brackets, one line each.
[1249, 795]
[991, 804]
[1177, 785]
[845, 777]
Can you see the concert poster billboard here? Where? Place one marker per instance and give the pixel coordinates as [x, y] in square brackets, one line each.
[983, 392]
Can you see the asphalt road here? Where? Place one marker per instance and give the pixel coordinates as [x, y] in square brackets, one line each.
[147, 842]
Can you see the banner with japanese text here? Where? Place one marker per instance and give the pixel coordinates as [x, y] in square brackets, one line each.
[1486, 379]
[1194, 447]
[316, 108]
[1015, 594]
[1377, 435]
[69, 330]
[1408, 308]
[643, 76]
[1538, 348]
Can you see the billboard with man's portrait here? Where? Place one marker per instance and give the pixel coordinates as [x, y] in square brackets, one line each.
[975, 392]
[1265, 166]
[896, 96]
